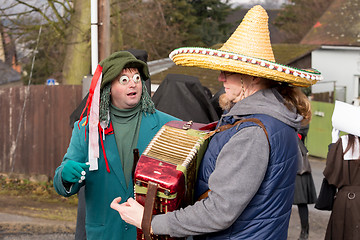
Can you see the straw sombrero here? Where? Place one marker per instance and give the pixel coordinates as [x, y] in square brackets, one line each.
[247, 51]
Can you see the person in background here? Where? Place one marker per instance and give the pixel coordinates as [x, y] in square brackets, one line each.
[247, 175]
[343, 171]
[121, 118]
[305, 192]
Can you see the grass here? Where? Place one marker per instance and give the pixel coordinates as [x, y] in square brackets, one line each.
[35, 199]
[39, 191]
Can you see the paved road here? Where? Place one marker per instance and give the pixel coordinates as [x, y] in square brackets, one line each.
[16, 227]
[13, 227]
[318, 219]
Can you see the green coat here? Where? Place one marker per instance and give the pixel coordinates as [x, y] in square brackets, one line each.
[101, 187]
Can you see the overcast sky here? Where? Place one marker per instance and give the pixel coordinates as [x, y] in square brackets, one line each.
[254, 2]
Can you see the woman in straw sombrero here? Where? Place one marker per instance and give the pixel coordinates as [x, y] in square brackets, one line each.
[246, 178]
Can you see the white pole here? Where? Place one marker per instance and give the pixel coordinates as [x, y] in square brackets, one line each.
[94, 36]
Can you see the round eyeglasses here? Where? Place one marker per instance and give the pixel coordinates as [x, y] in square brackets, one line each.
[124, 80]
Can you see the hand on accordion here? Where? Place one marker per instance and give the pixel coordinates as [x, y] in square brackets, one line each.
[130, 211]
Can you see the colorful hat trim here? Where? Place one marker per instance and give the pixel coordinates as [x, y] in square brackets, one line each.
[310, 77]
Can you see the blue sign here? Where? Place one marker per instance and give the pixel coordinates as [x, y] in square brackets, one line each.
[50, 81]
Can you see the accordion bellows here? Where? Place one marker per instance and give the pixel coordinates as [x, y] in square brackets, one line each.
[171, 161]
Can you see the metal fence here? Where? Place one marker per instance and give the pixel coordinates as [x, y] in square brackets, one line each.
[35, 130]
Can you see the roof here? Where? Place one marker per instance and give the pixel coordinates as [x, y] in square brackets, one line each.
[8, 74]
[339, 25]
[287, 53]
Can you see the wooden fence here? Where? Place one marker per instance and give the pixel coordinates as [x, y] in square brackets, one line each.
[35, 130]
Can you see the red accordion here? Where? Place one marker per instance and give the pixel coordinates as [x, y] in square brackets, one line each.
[166, 171]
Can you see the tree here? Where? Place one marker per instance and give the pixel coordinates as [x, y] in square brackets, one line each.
[157, 26]
[299, 16]
[77, 60]
[115, 23]
[47, 59]
[25, 18]
[211, 16]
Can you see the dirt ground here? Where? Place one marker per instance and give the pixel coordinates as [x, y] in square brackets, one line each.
[318, 220]
[19, 215]
[19, 219]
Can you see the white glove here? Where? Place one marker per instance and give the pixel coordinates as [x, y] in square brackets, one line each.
[335, 135]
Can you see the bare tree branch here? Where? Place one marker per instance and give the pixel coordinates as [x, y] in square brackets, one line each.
[58, 17]
[66, 5]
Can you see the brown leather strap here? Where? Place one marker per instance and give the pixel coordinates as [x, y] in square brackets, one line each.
[148, 210]
[228, 126]
[136, 159]
[204, 195]
[258, 122]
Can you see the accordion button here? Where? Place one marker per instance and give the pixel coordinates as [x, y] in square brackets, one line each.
[167, 193]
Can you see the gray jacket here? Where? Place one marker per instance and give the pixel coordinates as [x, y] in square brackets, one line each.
[229, 196]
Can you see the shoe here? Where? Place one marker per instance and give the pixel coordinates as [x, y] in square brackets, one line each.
[304, 234]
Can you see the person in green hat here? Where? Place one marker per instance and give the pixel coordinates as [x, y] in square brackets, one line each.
[121, 117]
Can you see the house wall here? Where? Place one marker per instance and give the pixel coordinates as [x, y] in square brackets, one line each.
[339, 64]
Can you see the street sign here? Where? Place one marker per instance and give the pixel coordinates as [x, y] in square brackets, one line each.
[50, 81]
